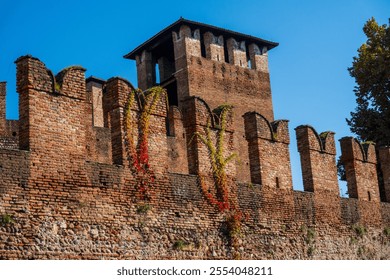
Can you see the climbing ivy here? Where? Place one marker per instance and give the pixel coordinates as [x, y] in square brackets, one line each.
[136, 136]
[218, 161]
[218, 195]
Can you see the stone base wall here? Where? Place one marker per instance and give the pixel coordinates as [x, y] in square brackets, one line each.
[107, 221]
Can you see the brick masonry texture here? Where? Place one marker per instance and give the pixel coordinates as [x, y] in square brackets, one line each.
[67, 189]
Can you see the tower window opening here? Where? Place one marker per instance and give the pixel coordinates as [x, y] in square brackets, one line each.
[173, 99]
[202, 48]
[157, 71]
[226, 53]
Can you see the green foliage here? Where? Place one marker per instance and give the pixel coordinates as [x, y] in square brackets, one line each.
[324, 134]
[359, 230]
[6, 219]
[310, 251]
[233, 223]
[386, 231]
[57, 87]
[341, 170]
[143, 208]
[371, 70]
[310, 235]
[368, 143]
[360, 252]
[179, 245]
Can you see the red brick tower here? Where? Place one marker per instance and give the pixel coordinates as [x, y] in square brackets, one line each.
[215, 64]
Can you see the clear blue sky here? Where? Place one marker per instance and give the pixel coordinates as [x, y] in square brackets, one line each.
[309, 77]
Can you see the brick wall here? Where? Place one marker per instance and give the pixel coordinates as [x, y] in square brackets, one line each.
[200, 119]
[68, 191]
[319, 172]
[360, 168]
[2, 107]
[177, 142]
[52, 124]
[384, 160]
[95, 97]
[230, 83]
[269, 152]
[247, 89]
[115, 99]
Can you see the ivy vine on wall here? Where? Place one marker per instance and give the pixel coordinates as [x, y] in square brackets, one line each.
[136, 136]
[219, 194]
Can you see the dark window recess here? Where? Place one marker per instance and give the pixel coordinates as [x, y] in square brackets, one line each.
[202, 49]
[168, 127]
[226, 53]
[172, 94]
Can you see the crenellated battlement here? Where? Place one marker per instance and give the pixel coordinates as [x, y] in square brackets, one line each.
[78, 162]
[318, 161]
[323, 142]
[353, 149]
[258, 126]
[360, 168]
[268, 151]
